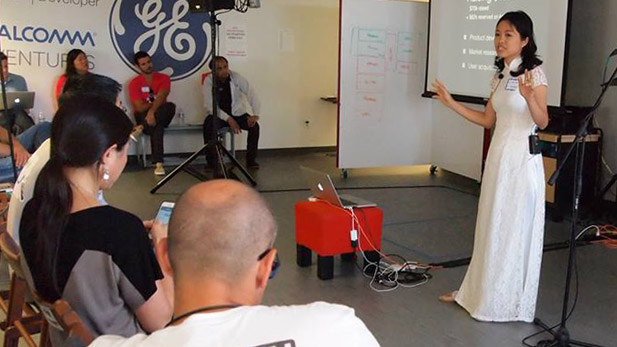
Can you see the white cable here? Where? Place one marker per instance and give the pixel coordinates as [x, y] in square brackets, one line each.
[383, 271]
[588, 228]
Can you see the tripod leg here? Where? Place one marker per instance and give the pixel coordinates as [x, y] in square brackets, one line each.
[178, 168]
[220, 163]
[237, 164]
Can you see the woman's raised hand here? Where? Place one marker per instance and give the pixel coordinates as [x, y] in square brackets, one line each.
[524, 85]
[442, 94]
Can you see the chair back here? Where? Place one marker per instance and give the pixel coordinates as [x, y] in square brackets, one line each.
[61, 316]
[22, 318]
[11, 251]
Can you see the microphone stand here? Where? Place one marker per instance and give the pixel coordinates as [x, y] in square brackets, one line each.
[219, 168]
[9, 113]
[561, 337]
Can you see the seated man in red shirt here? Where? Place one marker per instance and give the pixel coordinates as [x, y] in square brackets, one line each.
[148, 93]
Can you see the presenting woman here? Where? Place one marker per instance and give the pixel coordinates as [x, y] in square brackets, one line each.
[501, 283]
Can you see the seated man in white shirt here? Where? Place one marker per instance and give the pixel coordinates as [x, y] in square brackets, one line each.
[235, 99]
[220, 249]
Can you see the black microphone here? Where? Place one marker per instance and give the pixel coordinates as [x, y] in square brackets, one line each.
[500, 76]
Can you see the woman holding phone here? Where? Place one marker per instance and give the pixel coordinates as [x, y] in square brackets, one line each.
[95, 256]
[501, 283]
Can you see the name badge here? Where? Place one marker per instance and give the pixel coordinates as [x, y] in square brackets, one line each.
[145, 89]
[512, 84]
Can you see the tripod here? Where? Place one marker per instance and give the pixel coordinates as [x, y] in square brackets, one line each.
[215, 145]
[561, 337]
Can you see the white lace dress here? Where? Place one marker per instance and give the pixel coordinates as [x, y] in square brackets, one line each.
[501, 283]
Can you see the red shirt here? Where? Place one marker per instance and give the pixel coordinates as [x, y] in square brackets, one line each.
[140, 90]
[60, 85]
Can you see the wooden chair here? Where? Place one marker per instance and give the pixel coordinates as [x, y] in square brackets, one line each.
[60, 315]
[22, 318]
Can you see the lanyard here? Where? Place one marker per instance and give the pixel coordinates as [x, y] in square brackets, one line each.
[200, 310]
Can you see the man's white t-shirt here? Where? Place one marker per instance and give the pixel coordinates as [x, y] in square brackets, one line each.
[316, 324]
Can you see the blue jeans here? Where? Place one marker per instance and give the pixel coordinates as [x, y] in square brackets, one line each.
[30, 139]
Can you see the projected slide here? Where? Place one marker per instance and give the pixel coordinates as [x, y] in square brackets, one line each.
[461, 49]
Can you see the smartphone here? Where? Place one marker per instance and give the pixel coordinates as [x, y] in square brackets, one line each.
[162, 216]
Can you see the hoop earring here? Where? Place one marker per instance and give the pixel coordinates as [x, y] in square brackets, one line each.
[105, 174]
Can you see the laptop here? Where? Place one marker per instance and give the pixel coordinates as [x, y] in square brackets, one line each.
[24, 100]
[322, 187]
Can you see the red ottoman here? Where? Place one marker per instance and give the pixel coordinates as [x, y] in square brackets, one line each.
[325, 229]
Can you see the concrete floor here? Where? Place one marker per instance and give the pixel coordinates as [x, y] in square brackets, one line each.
[427, 218]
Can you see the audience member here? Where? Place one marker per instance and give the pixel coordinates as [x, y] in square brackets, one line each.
[14, 83]
[77, 86]
[148, 93]
[235, 95]
[91, 85]
[23, 145]
[98, 258]
[220, 249]
[76, 64]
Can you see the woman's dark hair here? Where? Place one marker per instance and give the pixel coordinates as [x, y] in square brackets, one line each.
[70, 61]
[524, 25]
[90, 84]
[81, 131]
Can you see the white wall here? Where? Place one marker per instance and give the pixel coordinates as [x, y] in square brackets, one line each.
[289, 83]
[457, 143]
[593, 38]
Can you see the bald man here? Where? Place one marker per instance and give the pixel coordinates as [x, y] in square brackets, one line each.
[220, 249]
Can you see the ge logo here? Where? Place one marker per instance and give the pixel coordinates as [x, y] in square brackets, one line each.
[174, 38]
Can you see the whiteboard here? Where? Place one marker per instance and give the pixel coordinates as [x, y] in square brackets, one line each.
[383, 120]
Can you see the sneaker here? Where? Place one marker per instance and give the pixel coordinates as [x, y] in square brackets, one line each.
[159, 170]
[252, 165]
[136, 133]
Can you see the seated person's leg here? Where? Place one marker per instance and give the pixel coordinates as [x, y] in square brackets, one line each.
[6, 170]
[252, 140]
[207, 133]
[207, 128]
[32, 138]
[165, 114]
[156, 143]
[251, 146]
[140, 119]
[23, 121]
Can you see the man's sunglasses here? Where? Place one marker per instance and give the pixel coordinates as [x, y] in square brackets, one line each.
[275, 264]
